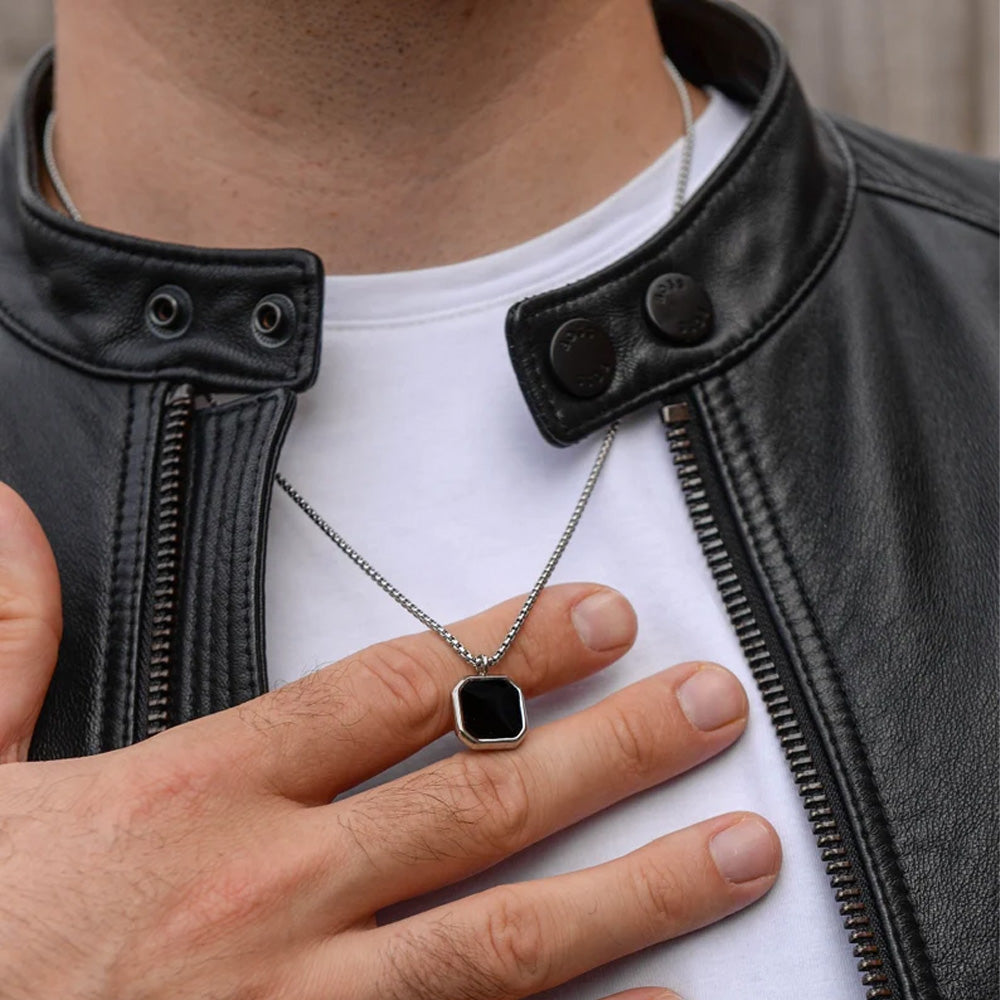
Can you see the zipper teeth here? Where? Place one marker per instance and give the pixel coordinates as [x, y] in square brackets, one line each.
[176, 420]
[839, 868]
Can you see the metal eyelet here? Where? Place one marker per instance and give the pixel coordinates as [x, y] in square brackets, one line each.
[168, 312]
[273, 320]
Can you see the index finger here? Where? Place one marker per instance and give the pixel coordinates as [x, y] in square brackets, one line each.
[327, 732]
[30, 622]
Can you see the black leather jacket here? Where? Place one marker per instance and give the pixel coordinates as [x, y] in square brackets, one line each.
[825, 357]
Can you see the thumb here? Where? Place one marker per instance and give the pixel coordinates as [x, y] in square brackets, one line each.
[30, 623]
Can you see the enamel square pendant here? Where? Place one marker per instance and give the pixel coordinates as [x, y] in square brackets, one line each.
[489, 712]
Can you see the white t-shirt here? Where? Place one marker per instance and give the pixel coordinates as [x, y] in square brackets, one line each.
[416, 444]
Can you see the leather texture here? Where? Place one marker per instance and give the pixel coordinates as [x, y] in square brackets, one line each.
[755, 237]
[234, 456]
[847, 393]
[877, 544]
[86, 304]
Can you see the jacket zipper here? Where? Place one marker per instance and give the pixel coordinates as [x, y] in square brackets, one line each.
[771, 682]
[177, 413]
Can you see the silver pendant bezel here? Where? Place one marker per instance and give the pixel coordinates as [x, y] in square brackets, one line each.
[500, 743]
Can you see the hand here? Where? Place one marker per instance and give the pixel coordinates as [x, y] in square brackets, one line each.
[210, 861]
[30, 623]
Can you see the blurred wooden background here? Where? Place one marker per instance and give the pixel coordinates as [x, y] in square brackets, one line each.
[923, 68]
[24, 26]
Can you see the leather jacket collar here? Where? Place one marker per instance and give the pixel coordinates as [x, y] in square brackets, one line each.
[754, 237]
[831, 412]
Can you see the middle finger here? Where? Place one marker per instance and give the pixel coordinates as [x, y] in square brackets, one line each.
[460, 815]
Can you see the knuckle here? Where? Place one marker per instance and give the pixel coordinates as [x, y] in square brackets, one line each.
[656, 888]
[362, 836]
[27, 635]
[405, 684]
[156, 786]
[513, 942]
[494, 802]
[225, 899]
[634, 743]
[16, 600]
[534, 650]
[414, 963]
[221, 901]
[319, 692]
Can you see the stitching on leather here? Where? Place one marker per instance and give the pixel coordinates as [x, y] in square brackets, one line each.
[264, 412]
[245, 536]
[113, 624]
[73, 241]
[307, 324]
[245, 438]
[233, 422]
[217, 504]
[24, 331]
[625, 272]
[723, 353]
[769, 511]
[190, 624]
[138, 572]
[780, 312]
[170, 253]
[205, 624]
[230, 424]
[891, 169]
[923, 197]
[905, 180]
[925, 201]
[235, 562]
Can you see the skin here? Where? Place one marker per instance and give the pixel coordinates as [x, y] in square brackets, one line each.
[383, 134]
[222, 858]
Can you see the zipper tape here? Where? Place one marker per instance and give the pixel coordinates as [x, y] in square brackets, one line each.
[847, 887]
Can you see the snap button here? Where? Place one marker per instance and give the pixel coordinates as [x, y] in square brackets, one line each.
[168, 311]
[582, 358]
[273, 320]
[679, 309]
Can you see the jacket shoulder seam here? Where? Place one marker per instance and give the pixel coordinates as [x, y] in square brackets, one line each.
[880, 173]
[960, 213]
[728, 402]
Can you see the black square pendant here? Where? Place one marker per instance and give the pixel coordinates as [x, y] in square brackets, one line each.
[489, 713]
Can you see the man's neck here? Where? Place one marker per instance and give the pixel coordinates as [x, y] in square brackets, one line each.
[381, 134]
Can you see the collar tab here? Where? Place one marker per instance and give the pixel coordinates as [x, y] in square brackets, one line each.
[92, 297]
[723, 274]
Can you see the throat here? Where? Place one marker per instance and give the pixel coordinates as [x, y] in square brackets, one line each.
[384, 136]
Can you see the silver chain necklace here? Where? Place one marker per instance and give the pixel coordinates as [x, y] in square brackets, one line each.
[489, 710]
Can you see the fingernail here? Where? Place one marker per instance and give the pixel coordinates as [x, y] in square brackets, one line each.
[604, 620]
[711, 697]
[744, 851]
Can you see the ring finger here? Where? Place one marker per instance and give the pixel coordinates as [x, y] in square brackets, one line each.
[514, 941]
